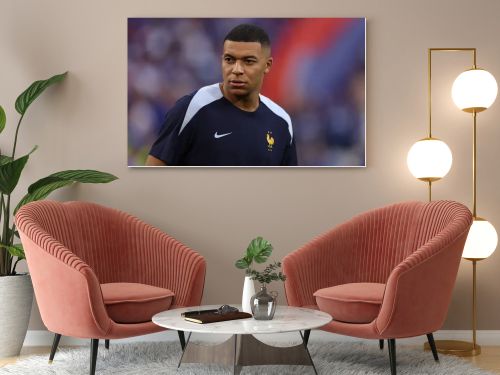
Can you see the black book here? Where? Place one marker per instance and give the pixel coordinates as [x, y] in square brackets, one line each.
[197, 312]
[215, 316]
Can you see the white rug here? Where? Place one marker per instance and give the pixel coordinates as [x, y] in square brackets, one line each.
[162, 358]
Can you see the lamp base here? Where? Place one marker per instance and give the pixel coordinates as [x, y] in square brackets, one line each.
[454, 347]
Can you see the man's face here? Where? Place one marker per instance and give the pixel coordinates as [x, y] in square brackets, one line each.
[244, 65]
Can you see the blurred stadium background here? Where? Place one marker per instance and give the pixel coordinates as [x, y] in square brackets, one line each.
[318, 77]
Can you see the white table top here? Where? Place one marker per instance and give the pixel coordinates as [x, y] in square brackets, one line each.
[286, 319]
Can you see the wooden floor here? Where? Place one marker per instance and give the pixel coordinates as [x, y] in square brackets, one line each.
[488, 360]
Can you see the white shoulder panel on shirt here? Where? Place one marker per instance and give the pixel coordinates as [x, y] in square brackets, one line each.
[279, 112]
[203, 97]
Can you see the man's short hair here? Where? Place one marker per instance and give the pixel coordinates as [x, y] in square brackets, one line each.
[247, 32]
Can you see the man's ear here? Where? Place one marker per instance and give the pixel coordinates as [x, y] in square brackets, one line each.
[269, 63]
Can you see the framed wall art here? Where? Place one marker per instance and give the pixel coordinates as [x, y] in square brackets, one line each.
[253, 92]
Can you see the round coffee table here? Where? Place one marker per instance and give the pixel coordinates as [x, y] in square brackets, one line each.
[242, 348]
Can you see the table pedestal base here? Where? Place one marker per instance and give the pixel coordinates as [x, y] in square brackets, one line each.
[246, 350]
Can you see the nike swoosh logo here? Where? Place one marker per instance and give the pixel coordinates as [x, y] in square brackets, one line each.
[216, 136]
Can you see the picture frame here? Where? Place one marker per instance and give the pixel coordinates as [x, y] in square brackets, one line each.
[318, 77]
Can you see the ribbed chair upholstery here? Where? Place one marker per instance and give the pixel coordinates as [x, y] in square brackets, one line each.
[100, 273]
[385, 274]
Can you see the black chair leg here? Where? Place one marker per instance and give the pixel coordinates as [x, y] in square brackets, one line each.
[432, 344]
[392, 355]
[106, 344]
[55, 344]
[307, 332]
[381, 344]
[94, 345]
[182, 339]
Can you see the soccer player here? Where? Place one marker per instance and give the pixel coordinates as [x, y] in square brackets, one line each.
[229, 123]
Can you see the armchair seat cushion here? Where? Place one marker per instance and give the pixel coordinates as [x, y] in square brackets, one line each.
[133, 302]
[351, 303]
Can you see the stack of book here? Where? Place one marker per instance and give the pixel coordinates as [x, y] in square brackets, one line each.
[212, 316]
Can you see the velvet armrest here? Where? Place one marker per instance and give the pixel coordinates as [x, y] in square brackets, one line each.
[419, 289]
[68, 295]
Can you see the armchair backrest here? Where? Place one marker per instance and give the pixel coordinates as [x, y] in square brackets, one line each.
[386, 236]
[98, 235]
[379, 241]
[435, 218]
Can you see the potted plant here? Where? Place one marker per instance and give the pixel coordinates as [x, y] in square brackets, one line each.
[16, 291]
[259, 250]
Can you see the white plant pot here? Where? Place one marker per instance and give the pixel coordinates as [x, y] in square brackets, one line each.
[248, 292]
[16, 298]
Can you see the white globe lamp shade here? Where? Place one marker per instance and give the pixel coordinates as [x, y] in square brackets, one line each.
[474, 90]
[481, 241]
[429, 159]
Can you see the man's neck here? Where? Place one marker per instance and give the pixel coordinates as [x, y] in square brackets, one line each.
[248, 103]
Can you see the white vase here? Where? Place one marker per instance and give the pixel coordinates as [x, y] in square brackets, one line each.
[248, 292]
[16, 298]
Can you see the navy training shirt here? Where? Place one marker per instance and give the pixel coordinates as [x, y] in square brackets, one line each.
[206, 129]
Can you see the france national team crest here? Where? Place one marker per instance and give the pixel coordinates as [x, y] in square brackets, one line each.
[270, 140]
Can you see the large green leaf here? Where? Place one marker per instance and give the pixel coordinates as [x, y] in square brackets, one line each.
[261, 258]
[75, 175]
[43, 187]
[15, 250]
[259, 250]
[31, 93]
[3, 119]
[242, 263]
[10, 171]
[42, 193]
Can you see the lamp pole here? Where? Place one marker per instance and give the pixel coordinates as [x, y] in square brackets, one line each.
[455, 347]
[430, 179]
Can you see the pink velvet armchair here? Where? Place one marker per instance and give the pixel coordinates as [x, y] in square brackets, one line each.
[385, 274]
[100, 273]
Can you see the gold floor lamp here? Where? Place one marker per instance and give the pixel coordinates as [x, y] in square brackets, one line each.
[430, 159]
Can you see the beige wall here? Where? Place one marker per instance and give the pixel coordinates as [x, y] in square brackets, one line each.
[83, 124]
